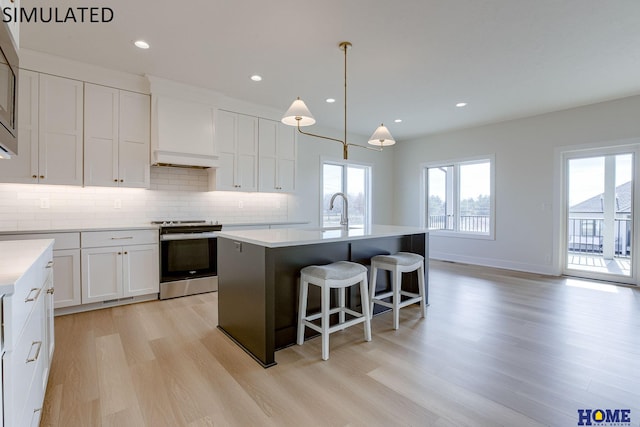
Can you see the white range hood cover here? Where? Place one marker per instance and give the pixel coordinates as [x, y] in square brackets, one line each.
[169, 158]
[182, 125]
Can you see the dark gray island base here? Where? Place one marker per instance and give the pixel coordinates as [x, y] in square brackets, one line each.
[258, 281]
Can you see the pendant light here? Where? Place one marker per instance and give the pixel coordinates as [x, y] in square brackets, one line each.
[299, 115]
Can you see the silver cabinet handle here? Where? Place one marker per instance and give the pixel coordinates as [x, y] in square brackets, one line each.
[51, 290]
[122, 238]
[35, 357]
[29, 298]
[49, 264]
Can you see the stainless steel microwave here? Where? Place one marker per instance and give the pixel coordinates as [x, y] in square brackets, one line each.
[8, 94]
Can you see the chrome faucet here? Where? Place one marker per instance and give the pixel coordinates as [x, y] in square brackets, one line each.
[344, 216]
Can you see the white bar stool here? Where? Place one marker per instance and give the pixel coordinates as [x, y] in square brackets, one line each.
[340, 275]
[401, 262]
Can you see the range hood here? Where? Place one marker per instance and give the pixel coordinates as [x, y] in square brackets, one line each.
[183, 160]
[182, 128]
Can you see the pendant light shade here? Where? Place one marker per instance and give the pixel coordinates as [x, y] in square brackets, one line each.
[298, 115]
[381, 137]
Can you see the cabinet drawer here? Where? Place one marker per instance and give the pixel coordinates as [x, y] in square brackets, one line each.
[62, 240]
[23, 364]
[96, 239]
[28, 290]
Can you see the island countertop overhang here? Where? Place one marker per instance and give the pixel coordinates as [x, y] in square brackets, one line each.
[283, 237]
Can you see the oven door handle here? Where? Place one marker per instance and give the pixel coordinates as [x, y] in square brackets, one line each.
[188, 236]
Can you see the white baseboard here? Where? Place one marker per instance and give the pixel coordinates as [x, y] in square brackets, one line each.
[497, 263]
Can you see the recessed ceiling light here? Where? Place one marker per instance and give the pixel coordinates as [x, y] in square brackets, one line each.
[256, 78]
[398, 120]
[461, 104]
[330, 100]
[142, 44]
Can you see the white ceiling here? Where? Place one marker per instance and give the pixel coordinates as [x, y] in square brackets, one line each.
[411, 59]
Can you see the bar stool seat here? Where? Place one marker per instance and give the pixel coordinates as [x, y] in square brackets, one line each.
[401, 262]
[338, 275]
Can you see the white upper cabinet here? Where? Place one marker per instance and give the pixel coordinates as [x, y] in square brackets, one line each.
[183, 132]
[23, 168]
[277, 162]
[60, 128]
[100, 135]
[237, 141]
[50, 123]
[116, 137]
[135, 128]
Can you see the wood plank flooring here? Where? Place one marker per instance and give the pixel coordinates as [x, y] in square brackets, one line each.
[497, 348]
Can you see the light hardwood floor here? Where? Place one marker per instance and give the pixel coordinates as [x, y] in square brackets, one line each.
[497, 348]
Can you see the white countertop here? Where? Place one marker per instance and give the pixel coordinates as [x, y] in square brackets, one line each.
[16, 256]
[281, 237]
[79, 229]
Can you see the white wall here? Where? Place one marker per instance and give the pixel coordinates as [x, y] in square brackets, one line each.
[527, 179]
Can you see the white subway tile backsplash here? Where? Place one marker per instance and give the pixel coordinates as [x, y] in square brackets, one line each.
[175, 194]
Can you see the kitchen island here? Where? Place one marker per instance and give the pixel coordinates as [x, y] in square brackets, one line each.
[259, 273]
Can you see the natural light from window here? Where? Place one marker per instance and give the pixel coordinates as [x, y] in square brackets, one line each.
[352, 180]
[459, 197]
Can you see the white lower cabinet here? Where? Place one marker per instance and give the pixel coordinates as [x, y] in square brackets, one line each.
[140, 270]
[66, 269]
[29, 342]
[66, 266]
[119, 271]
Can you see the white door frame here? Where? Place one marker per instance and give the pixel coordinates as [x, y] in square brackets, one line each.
[564, 154]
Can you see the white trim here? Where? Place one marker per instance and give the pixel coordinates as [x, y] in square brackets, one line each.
[492, 262]
[561, 156]
[455, 163]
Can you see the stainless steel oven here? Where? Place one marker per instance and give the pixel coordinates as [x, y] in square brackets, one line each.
[188, 258]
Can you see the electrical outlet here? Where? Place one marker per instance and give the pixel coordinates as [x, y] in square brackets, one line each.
[117, 204]
[240, 204]
[44, 203]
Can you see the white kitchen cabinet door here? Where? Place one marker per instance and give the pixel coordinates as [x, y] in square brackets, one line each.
[66, 273]
[134, 140]
[101, 135]
[23, 168]
[268, 160]
[140, 270]
[116, 137]
[247, 153]
[277, 164]
[226, 128]
[101, 274]
[60, 130]
[287, 158]
[237, 142]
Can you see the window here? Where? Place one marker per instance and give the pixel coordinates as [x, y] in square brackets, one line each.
[459, 197]
[354, 181]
